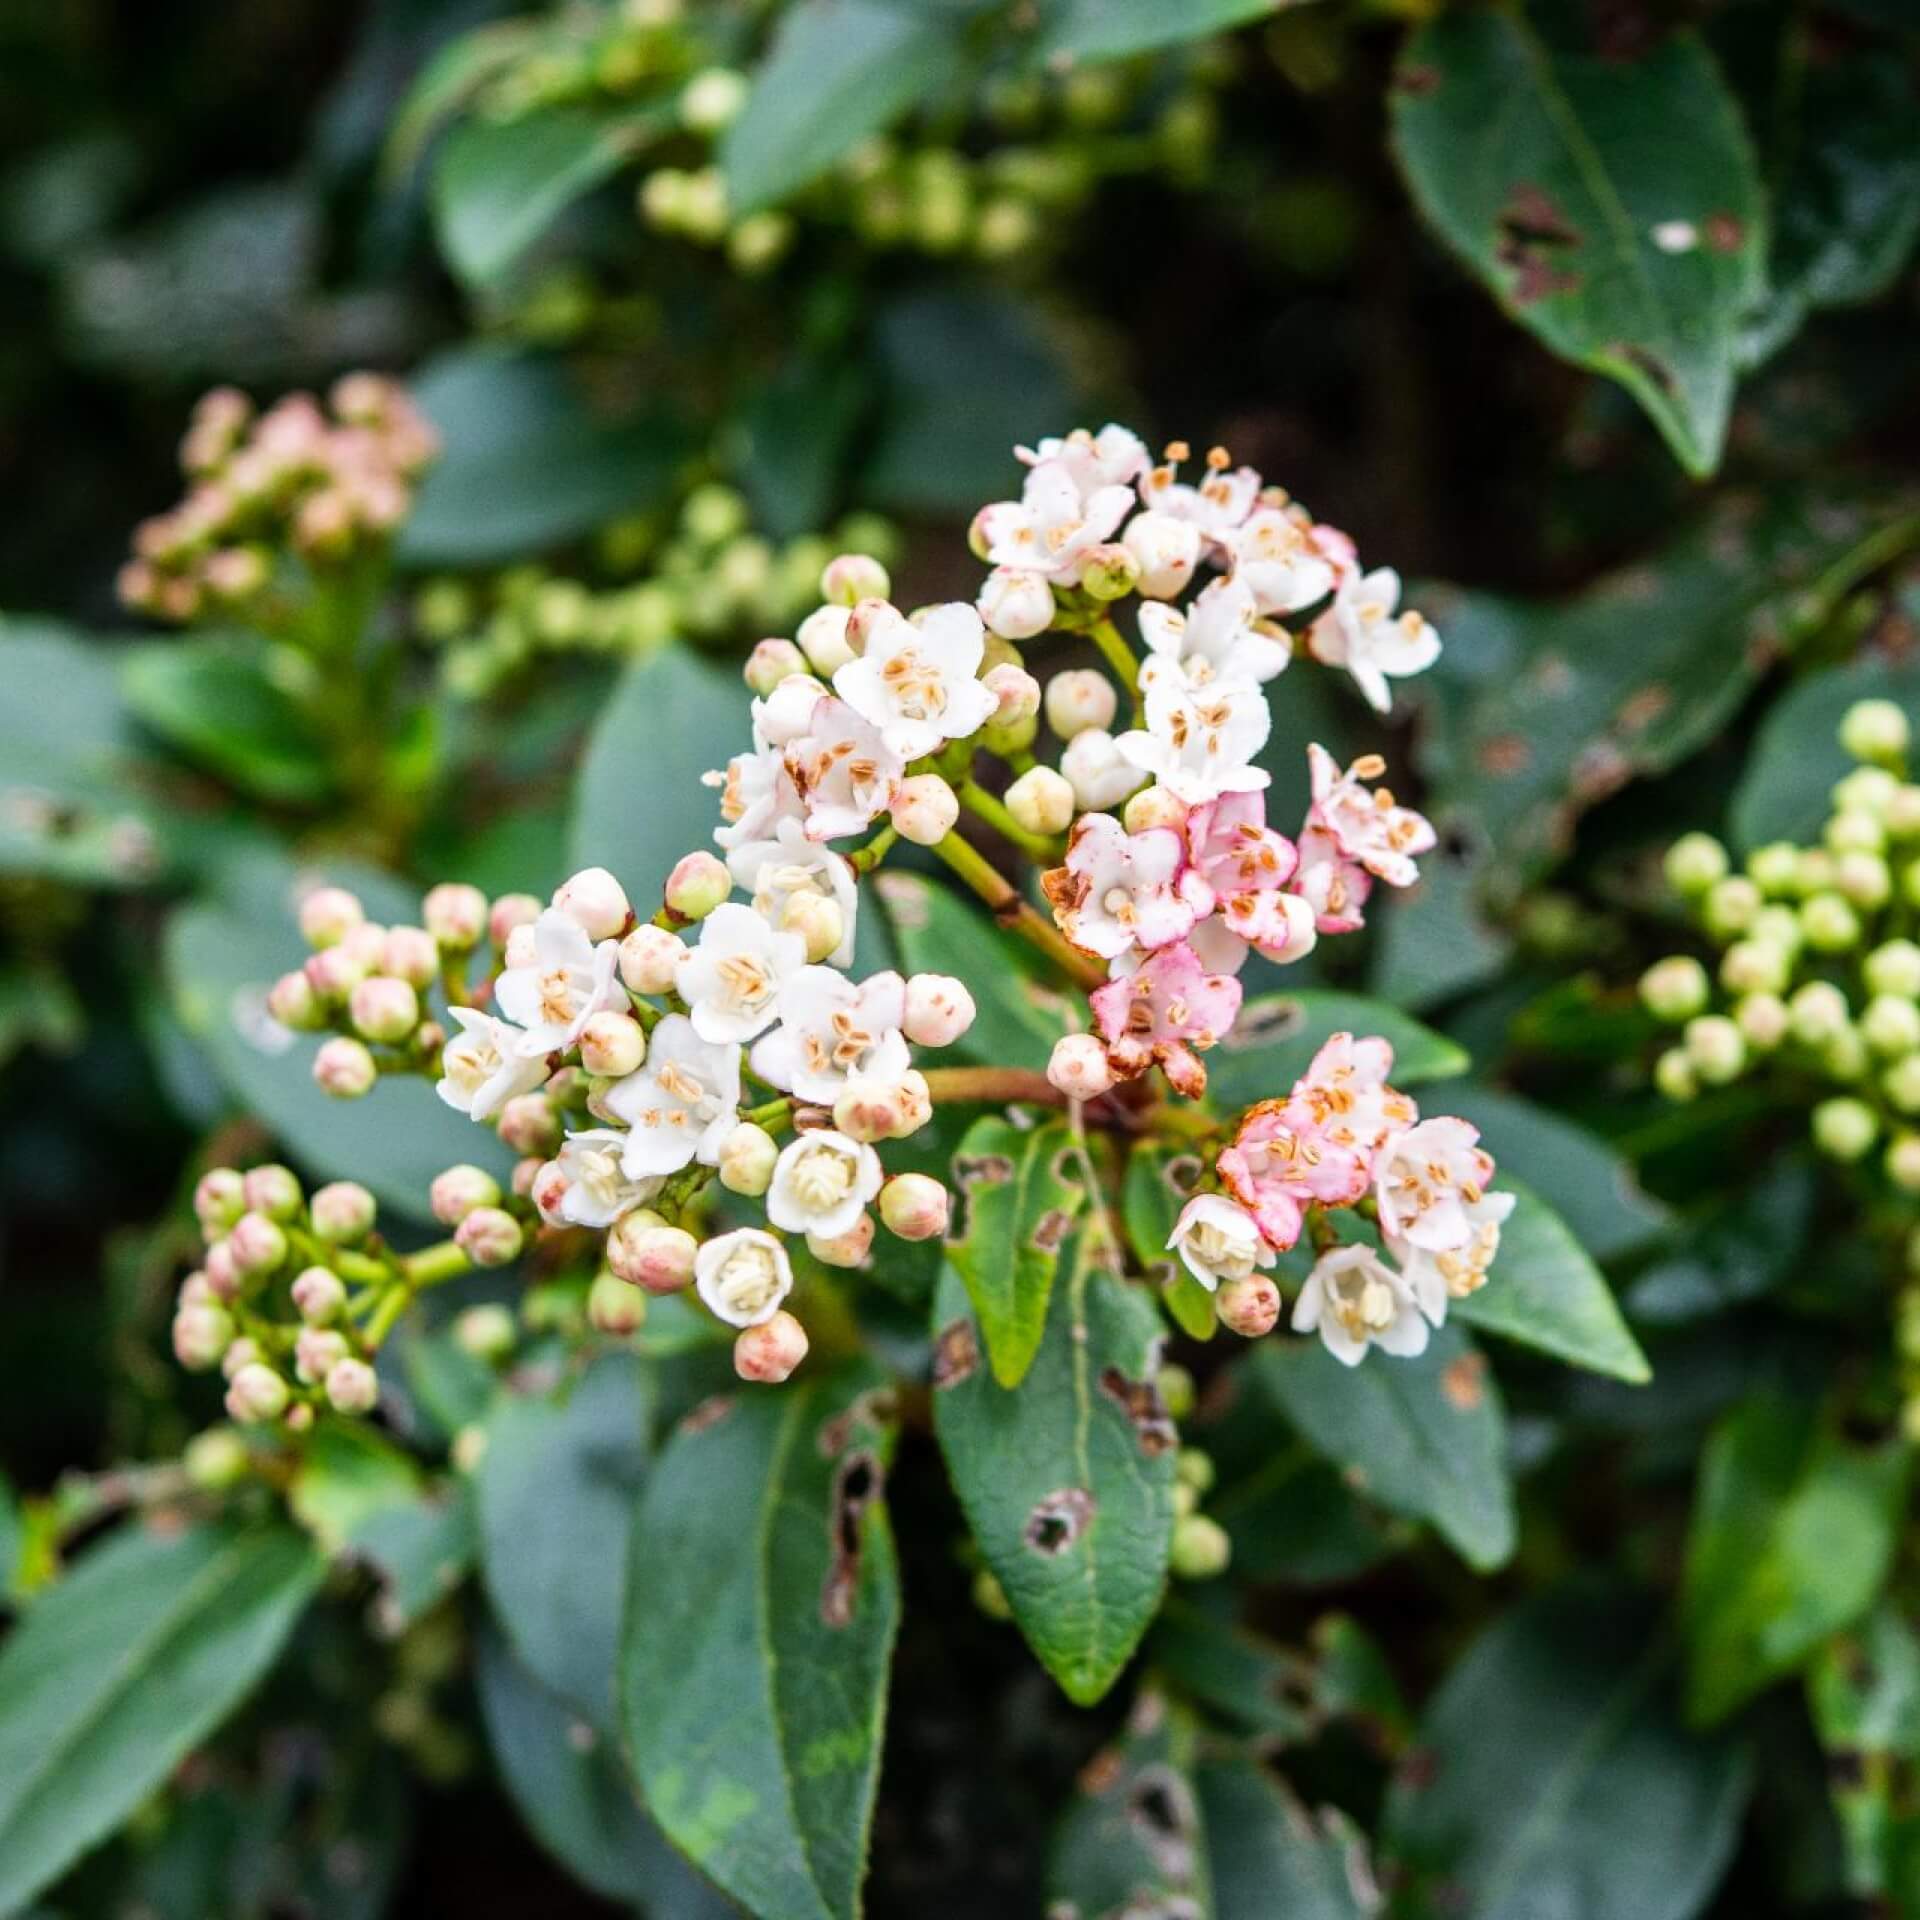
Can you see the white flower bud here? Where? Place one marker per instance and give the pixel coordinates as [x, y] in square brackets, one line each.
[411, 954]
[333, 973]
[489, 1237]
[612, 1045]
[1695, 862]
[786, 713]
[241, 1353]
[848, 1249]
[341, 1213]
[1080, 699]
[456, 915]
[352, 1387]
[201, 1334]
[645, 1252]
[485, 1332]
[1854, 831]
[823, 639]
[1865, 790]
[914, 1206]
[1864, 879]
[1763, 1020]
[328, 914]
[529, 1124]
[294, 1002]
[1166, 550]
[344, 1069]
[712, 99]
[1903, 1162]
[1041, 801]
[1101, 776]
[817, 919]
[274, 1191]
[770, 662]
[1715, 1047]
[698, 883]
[769, 1353]
[1890, 1025]
[1015, 603]
[595, 902]
[1902, 812]
[1154, 807]
[457, 1191]
[747, 1157]
[1079, 1066]
[316, 1352]
[1730, 906]
[650, 959]
[925, 809]
[1674, 989]
[256, 1244]
[939, 1010]
[1875, 730]
[319, 1296]
[849, 578]
[256, 1394]
[384, 1009]
[1893, 968]
[1249, 1305]
[511, 910]
[1755, 966]
[365, 945]
[1017, 691]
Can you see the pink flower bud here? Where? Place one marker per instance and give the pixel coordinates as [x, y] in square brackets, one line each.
[1017, 691]
[323, 525]
[256, 1394]
[326, 915]
[1154, 807]
[526, 1171]
[344, 1068]
[293, 1001]
[529, 1124]
[274, 1191]
[352, 1387]
[235, 573]
[769, 1353]
[240, 1353]
[485, 1332]
[1249, 1305]
[1079, 1067]
[1041, 801]
[650, 959]
[644, 1251]
[849, 578]
[316, 1352]
[925, 809]
[914, 1206]
[365, 945]
[221, 1274]
[509, 911]
[489, 1237]
[746, 1160]
[319, 1296]
[411, 954]
[698, 883]
[429, 1037]
[201, 1334]
[456, 1192]
[849, 1249]
[521, 951]
[196, 1290]
[342, 1213]
[612, 1045]
[456, 915]
[1078, 700]
[615, 1306]
[384, 1009]
[595, 902]
[1015, 602]
[548, 1189]
[220, 1199]
[939, 1010]
[771, 662]
[1109, 571]
[256, 1244]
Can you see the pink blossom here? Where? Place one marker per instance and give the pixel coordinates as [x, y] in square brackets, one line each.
[1345, 1088]
[1282, 1160]
[1234, 849]
[1335, 887]
[1162, 1014]
[1369, 827]
[1121, 890]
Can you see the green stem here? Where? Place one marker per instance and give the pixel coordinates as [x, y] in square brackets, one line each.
[1014, 912]
[990, 809]
[387, 1314]
[1119, 656]
[432, 1265]
[865, 859]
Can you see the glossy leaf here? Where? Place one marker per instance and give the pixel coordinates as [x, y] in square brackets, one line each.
[1067, 1484]
[1544, 1292]
[1425, 1437]
[1293, 1518]
[1276, 1036]
[1159, 1180]
[1552, 1775]
[1111, 29]
[1022, 1189]
[140, 1651]
[837, 71]
[1794, 1531]
[556, 1489]
[1269, 1856]
[1612, 205]
[760, 1625]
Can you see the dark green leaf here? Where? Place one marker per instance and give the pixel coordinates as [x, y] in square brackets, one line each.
[455, 73]
[837, 71]
[1022, 1190]
[1435, 940]
[1159, 1179]
[1242, 1680]
[1863, 1690]
[556, 1490]
[145, 1647]
[1111, 29]
[1295, 1519]
[1068, 1483]
[1552, 1775]
[1276, 1036]
[1557, 173]
[759, 1629]
[1794, 1531]
[1270, 1857]
[1425, 1437]
[796, 434]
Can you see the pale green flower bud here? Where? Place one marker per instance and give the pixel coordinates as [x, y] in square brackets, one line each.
[1902, 812]
[1201, 1549]
[456, 915]
[274, 1191]
[1844, 1129]
[256, 1394]
[1903, 1161]
[1772, 868]
[1865, 790]
[698, 883]
[1830, 923]
[1754, 966]
[1910, 883]
[1865, 879]
[1875, 730]
[1194, 1469]
[489, 1237]
[1674, 989]
[849, 578]
[747, 1157]
[1893, 968]
[1901, 1084]
[1178, 1394]
[485, 1332]
[1716, 1049]
[615, 1306]
[1820, 1013]
[1854, 831]
[1694, 863]
[342, 1213]
[1763, 1020]
[1814, 872]
[712, 99]
[215, 1460]
[344, 1069]
[352, 1387]
[319, 1296]
[1730, 905]
[1778, 926]
[1891, 1025]
[1673, 1075]
[1041, 800]
[1845, 1057]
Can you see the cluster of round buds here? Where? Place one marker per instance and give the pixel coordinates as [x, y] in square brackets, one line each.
[281, 1299]
[321, 483]
[1815, 970]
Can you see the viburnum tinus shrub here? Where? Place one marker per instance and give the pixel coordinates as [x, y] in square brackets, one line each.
[982, 1185]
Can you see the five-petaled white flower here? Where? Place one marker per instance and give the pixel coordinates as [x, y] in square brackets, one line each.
[1119, 890]
[743, 1276]
[1361, 632]
[778, 870]
[1216, 506]
[1437, 1278]
[756, 794]
[1217, 641]
[1356, 1300]
[1200, 743]
[682, 1104]
[919, 684]
[1367, 825]
[1427, 1179]
[822, 1183]
[1276, 560]
[730, 980]
[1218, 1239]
[843, 771]
[1052, 527]
[831, 1032]
[1113, 457]
[597, 1188]
[482, 1067]
[568, 980]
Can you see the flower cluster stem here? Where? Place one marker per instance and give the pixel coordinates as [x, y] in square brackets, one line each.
[989, 808]
[1012, 911]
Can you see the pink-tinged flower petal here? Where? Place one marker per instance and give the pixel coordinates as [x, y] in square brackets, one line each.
[1335, 887]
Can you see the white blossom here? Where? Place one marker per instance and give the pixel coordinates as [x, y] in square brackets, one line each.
[1121, 890]
[598, 1189]
[1425, 1181]
[822, 1183]
[729, 981]
[777, 870]
[1217, 641]
[1218, 1239]
[1355, 1300]
[919, 683]
[831, 1032]
[1361, 632]
[756, 794]
[1113, 457]
[1276, 560]
[1099, 773]
[743, 1276]
[1437, 1278]
[1216, 506]
[1367, 825]
[1200, 744]
[1052, 527]
[682, 1104]
[782, 716]
[569, 979]
[482, 1067]
[844, 773]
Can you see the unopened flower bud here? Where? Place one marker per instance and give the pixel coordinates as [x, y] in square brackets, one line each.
[1829, 923]
[925, 809]
[1754, 966]
[1890, 1025]
[1819, 1011]
[1109, 571]
[511, 911]
[1079, 1067]
[712, 99]
[257, 1244]
[914, 1206]
[698, 883]
[1903, 1162]
[746, 1160]
[352, 1387]
[219, 1199]
[528, 1124]
[1165, 549]
[455, 915]
[242, 1352]
[1813, 872]
[327, 914]
[612, 1045]
[1695, 862]
[1715, 1047]
[1080, 699]
[595, 902]
[769, 1353]
[849, 578]
[489, 1237]
[411, 954]
[645, 1252]
[1845, 1057]
[342, 1213]
[1016, 690]
[771, 662]
[1101, 775]
[1844, 1128]
[256, 1394]
[333, 973]
[849, 1249]
[1865, 879]
[1041, 801]
[344, 1069]
[1901, 1084]
[822, 637]
[1865, 790]
[1893, 967]
[274, 1191]
[293, 1001]
[1902, 812]
[1016, 603]
[1249, 1305]
[315, 1352]
[384, 1009]
[221, 1272]
[319, 1296]
[614, 1306]
[1875, 730]
[1200, 1549]
[817, 919]
[548, 1189]
[873, 1110]
[650, 959]
[484, 1332]
[1154, 807]
[1763, 1020]
[1854, 831]
[939, 1010]
[215, 1460]
[1730, 905]
[457, 1191]
[201, 1334]
[1673, 1074]
[1774, 868]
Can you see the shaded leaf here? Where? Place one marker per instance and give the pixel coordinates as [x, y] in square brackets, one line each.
[1159, 1179]
[1274, 1040]
[1110, 29]
[1269, 1856]
[1863, 1690]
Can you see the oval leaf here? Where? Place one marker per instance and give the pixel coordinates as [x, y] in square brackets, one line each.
[1269, 1856]
[1159, 1179]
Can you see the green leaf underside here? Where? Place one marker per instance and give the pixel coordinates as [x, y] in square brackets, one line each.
[1067, 1484]
[1550, 171]
[1552, 1776]
[1274, 1040]
[1425, 1437]
[1793, 1533]
[1022, 1191]
[760, 1623]
[140, 1652]
[1270, 1858]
